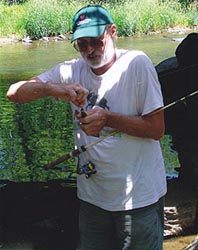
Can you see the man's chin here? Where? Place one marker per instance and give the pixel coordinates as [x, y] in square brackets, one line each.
[96, 65]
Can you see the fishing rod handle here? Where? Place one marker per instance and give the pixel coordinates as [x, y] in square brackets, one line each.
[63, 158]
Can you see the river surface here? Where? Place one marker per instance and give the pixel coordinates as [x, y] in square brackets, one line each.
[34, 134]
[33, 58]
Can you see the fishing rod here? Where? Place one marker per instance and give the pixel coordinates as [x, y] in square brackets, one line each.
[78, 151]
[181, 100]
[83, 148]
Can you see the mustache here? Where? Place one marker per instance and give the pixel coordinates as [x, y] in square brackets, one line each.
[93, 54]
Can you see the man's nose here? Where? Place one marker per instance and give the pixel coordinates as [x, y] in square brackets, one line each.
[90, 48]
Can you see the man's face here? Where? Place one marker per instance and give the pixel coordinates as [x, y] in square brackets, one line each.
[97, 51]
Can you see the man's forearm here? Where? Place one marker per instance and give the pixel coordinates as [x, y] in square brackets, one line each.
[27, 91]
[148, 126]
[140, 126]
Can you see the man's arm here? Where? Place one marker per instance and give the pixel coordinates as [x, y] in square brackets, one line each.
[148, 126]
[33, 89]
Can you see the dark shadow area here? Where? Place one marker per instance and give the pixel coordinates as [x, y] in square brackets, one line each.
[181, 119]
[42, 215]
[179, 80]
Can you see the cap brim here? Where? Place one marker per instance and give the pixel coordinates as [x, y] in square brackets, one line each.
[93, 31]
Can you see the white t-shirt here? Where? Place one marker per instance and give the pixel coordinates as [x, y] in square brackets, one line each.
[130, 170]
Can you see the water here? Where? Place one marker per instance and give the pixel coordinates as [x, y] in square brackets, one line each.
[34, 134]
[30, 59]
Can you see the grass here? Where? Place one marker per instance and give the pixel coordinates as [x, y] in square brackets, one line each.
[37, 18]
[149, 16]
[11, 20]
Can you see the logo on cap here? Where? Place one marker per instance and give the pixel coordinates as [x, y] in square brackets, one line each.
[82, 20]
[82, 17]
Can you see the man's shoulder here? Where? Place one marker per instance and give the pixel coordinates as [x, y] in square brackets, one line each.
[74, 61]
[72, 64]
[129, 53]
[131, 56]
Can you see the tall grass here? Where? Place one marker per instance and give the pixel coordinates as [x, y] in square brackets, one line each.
[48, 18]
[11, 20]
[135, 17]
[38, 18]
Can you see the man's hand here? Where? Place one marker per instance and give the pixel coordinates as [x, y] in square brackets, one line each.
[94, 122]
[33, 89]
[147, 126]
[69, 92]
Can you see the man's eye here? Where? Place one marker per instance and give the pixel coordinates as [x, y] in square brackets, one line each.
[82, 44]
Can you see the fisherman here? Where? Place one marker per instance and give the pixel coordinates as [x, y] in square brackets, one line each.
[121, 204]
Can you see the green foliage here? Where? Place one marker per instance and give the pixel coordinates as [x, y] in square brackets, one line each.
[149, 16]
[191, 15]
[33, 135]
[186, 3]
[37, 18]
[47, 133]
[170, 156]
[13, 164]
[103, 2]
[11, 20]
[47, 18]
[10, 2]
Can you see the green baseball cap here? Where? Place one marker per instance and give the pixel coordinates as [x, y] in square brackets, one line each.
[90, 21]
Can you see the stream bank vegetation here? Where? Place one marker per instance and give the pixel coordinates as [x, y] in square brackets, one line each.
[38, 18]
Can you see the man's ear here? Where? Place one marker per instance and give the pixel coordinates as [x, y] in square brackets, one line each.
[113, 31]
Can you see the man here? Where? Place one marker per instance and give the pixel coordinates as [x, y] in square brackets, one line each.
[121, 205]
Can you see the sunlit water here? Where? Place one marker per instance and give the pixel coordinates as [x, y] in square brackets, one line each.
[33, 58]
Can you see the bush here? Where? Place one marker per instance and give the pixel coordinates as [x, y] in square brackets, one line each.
[10, 2]
[134, 18]
[47, 18]
[12, 20]
[38, 18]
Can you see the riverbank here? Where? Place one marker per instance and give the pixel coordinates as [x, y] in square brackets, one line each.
[7, 41]
[179, 30]
[180, 217]
[13, 39]
[179, 243]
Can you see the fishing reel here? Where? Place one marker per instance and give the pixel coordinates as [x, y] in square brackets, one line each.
[87, 169]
